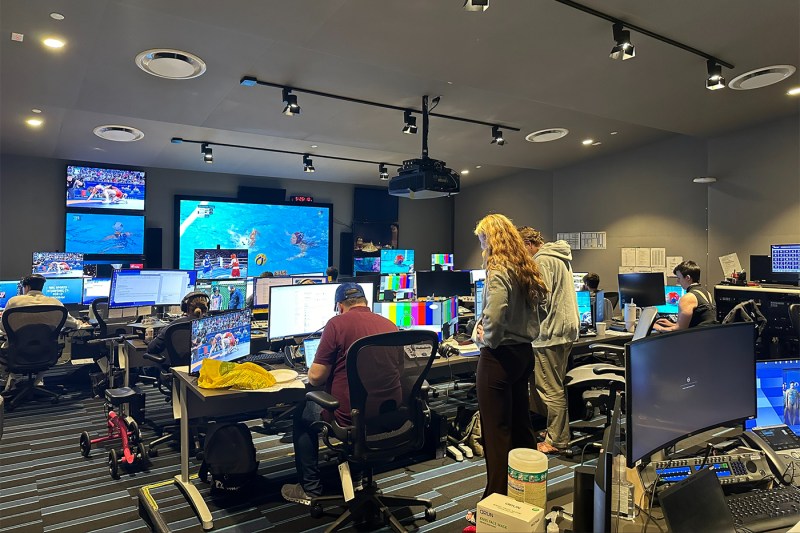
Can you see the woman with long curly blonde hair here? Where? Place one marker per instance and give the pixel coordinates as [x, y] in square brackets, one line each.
[509, 322]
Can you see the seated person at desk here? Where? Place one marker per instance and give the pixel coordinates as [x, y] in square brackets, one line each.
[353, 321]
[696, 307]
[591, 283]
[32, 286]
[194, 305]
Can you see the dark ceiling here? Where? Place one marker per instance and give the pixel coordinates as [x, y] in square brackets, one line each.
[530, 64]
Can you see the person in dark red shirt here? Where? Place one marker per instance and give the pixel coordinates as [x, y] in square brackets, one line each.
[354, 320]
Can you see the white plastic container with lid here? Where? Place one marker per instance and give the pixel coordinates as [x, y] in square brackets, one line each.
[527, 476]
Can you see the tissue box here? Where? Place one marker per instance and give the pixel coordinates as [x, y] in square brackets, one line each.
[498, 512]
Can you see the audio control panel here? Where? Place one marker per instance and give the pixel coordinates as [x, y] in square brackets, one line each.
[750, 467]
[781, 439]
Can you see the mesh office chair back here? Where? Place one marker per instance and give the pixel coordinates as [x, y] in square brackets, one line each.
[32, 333]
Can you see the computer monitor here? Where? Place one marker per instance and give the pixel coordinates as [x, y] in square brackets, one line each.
[679, 384]
[599, 309]
[440, 316]
[8, 289]
[225, 336]
[104, 234]
[104, 268]
[397, 261]
[443, 283]
[479, 297]
[133, 288]
[585, 308]
[397, 282]
[94, 288]
[105, 188]
[365, 277]
[57, 264]
[310, 350]
[305, 279]
[220, 263]
[672, 293]
[577, 279]
[645, 289]
[777, 385]
[222, 298]
[261, 290]
[785, 258]
[366, 264]
[68, 291]
[302, 309]
[477, 275]
[445, 260]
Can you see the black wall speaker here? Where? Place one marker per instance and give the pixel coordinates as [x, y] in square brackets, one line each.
[152, 247]
[345, 254]
[261, 195]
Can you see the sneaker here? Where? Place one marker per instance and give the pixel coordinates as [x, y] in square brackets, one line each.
[296, 494]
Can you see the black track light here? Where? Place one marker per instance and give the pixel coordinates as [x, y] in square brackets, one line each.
[410, 125]
[308, 165]
[497, 136]
[476, 5]
[623, 49]
[382, 172]
[292, 108]
[715, 80]
[208, 155]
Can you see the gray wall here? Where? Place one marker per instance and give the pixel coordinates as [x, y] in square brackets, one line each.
[32, 208]
[646, 197]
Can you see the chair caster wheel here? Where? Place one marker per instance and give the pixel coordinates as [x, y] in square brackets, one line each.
[153, 452]
[430, 514]
[113, 464]
[316, 511]
[86, 444]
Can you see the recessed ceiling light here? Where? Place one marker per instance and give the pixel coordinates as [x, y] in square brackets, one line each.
[56, 16]
[314, 146]
[171, 64]
[705, 179]
[449, 83]
[117, 133]
[477, 166]
[596, 143]
[34, 110]
[794, 91]
[613, 133]
[465, 171]
[761, 77]
[53, 43]
[587, 142]
[34, 122]
[543, 136]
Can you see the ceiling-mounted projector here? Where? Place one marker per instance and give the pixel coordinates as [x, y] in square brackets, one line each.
[424, 178]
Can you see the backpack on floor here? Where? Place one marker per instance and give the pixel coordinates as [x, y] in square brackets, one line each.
[229, 457]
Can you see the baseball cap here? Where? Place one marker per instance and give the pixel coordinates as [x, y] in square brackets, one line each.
[349, 290]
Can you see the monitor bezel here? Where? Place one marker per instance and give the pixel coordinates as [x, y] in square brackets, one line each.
[653, 275]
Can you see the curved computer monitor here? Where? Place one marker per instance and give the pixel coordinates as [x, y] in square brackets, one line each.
[679, 384]
[645, 289]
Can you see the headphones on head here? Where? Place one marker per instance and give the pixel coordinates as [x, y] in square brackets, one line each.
[194, 294]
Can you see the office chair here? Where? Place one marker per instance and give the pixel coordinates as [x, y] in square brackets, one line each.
[596, 380]
[32, 333]
[613, 297]
[386, 375]
[100, 313]
[178, 353]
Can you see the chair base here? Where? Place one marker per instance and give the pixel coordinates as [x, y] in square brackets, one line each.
[370, 498]
[28, 390]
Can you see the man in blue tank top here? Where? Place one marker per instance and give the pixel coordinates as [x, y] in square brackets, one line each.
[696, 307]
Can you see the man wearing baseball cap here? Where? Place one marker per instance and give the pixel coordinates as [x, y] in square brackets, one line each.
[354, 320]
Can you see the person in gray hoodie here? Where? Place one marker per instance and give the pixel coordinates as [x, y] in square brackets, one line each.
[558, 330]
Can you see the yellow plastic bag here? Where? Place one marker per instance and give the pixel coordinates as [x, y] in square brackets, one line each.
[215, 374]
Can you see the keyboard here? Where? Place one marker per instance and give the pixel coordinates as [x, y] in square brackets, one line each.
[766, 509]
[264, 357]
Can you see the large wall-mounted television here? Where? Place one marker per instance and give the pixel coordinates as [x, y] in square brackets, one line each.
[284, 238]
[104, 234]
[57, 264]
[105, 188]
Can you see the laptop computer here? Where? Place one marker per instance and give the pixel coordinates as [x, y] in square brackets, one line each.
[310, 350]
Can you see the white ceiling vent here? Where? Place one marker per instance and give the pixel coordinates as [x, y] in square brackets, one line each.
[761, 77]
[113, 132]
[543, 136]
[172, 64]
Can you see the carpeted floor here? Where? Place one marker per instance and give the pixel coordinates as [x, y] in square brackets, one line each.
[47, 486]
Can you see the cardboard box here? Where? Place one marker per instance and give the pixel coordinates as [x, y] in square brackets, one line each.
[499, 513]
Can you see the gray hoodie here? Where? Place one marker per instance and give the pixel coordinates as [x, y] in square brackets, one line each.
[561, 324]
[507, 317]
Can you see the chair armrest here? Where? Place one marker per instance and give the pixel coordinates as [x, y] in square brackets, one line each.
[156, 358]
[607, 347]
[323, 399]
[613, 371]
